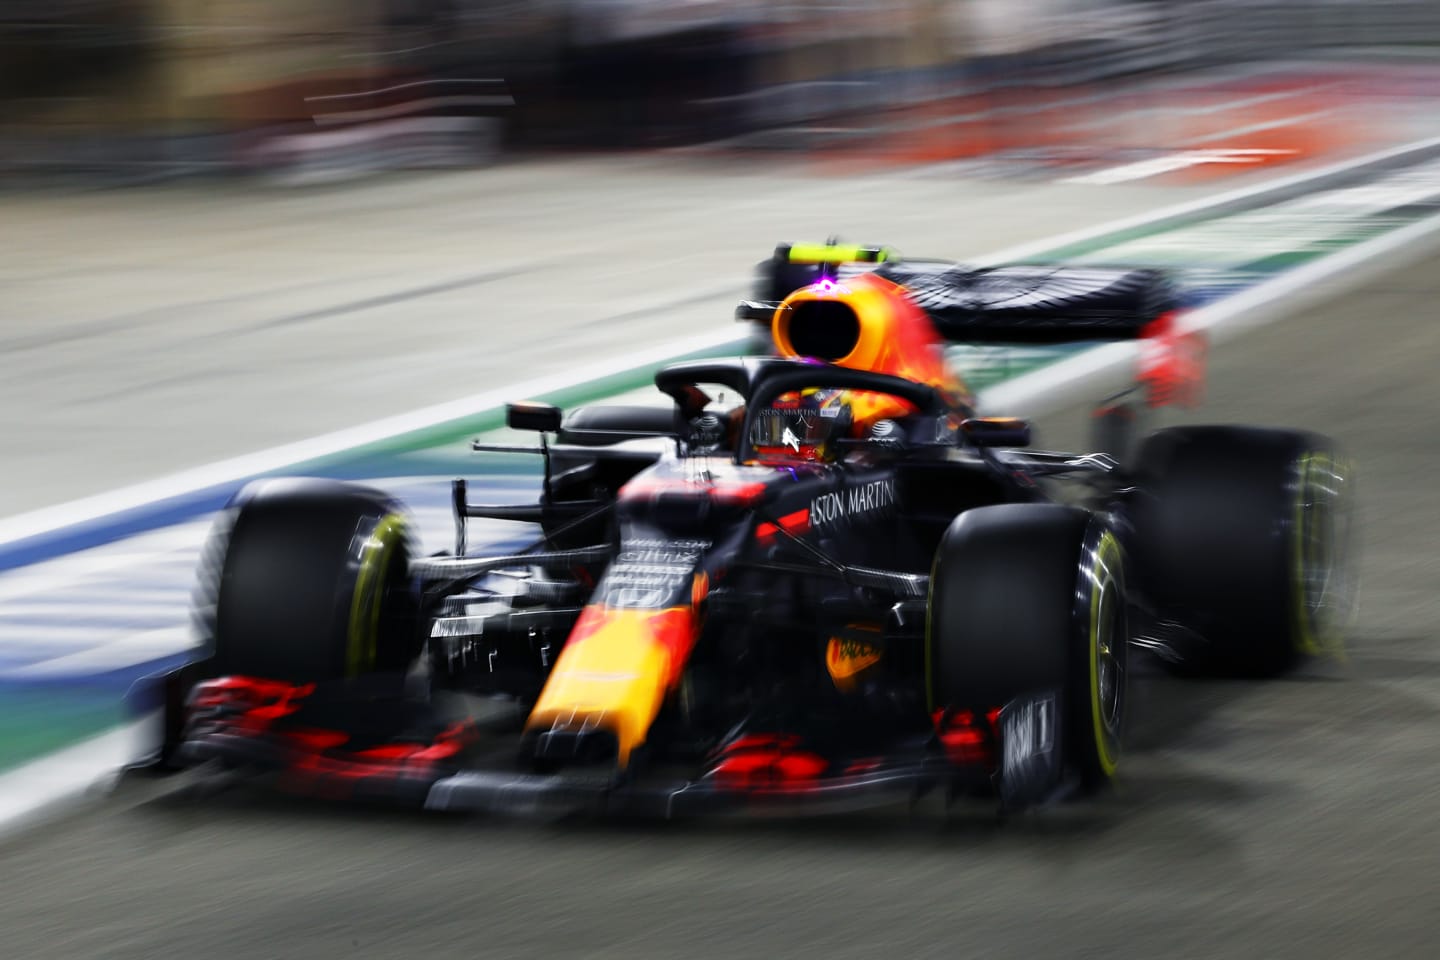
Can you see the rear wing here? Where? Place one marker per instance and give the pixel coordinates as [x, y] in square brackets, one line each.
[1010, 304]
[1036, 304]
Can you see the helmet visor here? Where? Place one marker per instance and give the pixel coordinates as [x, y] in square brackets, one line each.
[791, 429]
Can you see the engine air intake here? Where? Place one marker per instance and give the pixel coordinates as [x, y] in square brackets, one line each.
[824, 329]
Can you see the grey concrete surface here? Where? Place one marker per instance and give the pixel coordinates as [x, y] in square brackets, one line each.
[146, 331]
[1296, 818]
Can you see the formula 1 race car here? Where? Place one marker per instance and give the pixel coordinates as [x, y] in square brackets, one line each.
[845, 587]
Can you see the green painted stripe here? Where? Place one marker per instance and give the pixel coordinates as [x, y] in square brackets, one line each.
[38, 720]
[1275, 237]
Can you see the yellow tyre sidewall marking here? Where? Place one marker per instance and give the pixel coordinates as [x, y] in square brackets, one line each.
[1107, 563]
[1308, 640]
[363, 628]
[930, 635]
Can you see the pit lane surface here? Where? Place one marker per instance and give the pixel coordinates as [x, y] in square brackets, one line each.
[1296, 818]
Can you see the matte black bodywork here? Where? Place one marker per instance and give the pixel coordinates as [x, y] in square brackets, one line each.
[795, 555]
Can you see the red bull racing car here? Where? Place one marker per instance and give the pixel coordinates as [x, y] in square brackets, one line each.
[849, 586]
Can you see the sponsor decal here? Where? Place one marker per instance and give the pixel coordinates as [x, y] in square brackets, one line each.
[650, 574]
[661, 551]
[846, 657]
[1029, 761]
[1031, 731]
[864, 499]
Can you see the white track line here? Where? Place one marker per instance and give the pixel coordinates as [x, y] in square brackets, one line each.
[1171, 162]
[117, 654]
[46, 786]
[74, 572]
[1213, 203]
[117, 604]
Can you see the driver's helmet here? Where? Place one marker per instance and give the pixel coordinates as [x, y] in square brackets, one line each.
[803, 425]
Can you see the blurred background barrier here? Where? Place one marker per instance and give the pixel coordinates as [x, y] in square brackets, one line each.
[316, 89]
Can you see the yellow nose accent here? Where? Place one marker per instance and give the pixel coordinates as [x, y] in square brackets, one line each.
[615, 672]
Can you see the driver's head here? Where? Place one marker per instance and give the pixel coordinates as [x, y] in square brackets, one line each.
[802, 426]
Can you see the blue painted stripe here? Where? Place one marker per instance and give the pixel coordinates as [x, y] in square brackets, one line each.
[119, 526]
[181, 509]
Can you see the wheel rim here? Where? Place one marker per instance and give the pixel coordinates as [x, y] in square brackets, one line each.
[1110, 678]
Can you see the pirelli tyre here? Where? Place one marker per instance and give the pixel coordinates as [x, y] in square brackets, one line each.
[307, 580]
[1028, 601]
[1242, 539]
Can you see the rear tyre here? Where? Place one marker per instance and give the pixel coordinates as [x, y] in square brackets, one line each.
[1242, 536]
[306, 581]
[1030, 599]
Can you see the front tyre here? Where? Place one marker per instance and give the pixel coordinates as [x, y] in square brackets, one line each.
[307, 580]
[1030, 600]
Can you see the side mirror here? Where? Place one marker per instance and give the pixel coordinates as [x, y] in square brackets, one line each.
[997, 431]
[529, 415]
